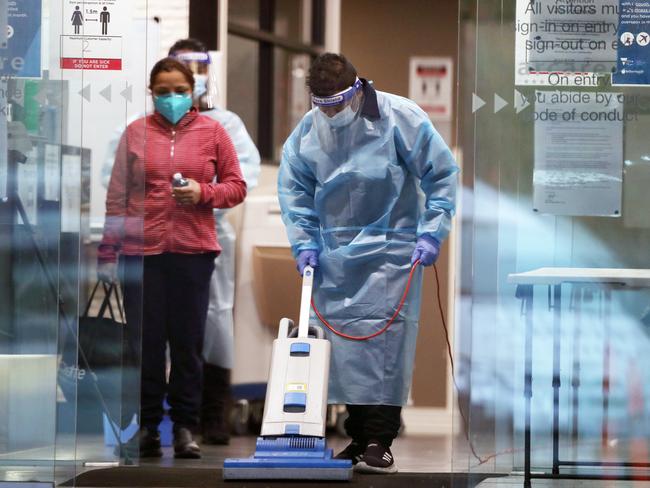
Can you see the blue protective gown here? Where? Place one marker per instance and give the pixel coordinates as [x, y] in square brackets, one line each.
[361, 195]
[218, 345]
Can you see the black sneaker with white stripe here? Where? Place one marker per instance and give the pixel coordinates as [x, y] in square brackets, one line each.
[354, 451]
[376, 459]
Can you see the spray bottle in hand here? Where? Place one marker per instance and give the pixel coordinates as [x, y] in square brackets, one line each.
[179, 181]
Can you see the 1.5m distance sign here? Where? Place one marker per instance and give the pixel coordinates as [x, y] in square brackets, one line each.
[92, 35]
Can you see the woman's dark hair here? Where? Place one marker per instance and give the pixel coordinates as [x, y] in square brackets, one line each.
[330, 73]
[190, 44]
[168, 65]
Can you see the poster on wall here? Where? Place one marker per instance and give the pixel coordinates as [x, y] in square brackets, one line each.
[90, 36]
[431, 86]
[633, 66]
[20, 46]
[561, 43]
[578, 153]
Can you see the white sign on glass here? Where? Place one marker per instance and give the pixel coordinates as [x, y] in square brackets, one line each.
[565, 43]
[578, 153]
[89, 37]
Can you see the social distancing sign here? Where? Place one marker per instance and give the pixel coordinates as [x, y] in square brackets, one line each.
[431, 86]
[633, 54]
[91, 35]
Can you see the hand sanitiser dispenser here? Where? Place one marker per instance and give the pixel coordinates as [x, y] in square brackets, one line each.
[292, 444]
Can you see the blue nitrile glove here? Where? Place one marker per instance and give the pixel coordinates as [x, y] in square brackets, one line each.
[426, 250]
[308, 257]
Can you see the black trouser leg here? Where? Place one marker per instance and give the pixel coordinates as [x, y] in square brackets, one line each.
[143, 293]
[215, 404]
[373, 422]
[355, 422]
[188, 286]
[154, 340]
[216, 394]
[383, 423]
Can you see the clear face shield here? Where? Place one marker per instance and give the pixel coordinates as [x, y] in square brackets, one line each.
[340, 109]
[206, 86]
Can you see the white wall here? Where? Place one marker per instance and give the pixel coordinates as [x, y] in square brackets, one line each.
[333, 26]
[174, 18]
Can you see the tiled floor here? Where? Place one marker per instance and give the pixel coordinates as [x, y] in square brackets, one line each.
[517, 481]
[418, 454]
[423, 454]
[413, 453]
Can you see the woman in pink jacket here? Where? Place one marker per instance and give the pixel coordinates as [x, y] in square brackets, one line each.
[165, 238]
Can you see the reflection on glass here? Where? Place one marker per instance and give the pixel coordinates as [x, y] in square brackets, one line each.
[540, 197]
[289, 16]
[54, 128]
[245, 12]
[243, 72]
[291, 95]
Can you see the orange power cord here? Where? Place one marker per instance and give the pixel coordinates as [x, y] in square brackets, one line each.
[382, 330]
[481, 460]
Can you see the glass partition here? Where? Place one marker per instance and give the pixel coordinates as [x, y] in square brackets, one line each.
[552, 322]
[69, 85]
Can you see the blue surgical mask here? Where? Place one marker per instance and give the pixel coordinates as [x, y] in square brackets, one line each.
[341, 119]
[200, 85]
[173, 105]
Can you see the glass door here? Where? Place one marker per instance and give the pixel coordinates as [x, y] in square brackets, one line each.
[73, 74]
[553, 319]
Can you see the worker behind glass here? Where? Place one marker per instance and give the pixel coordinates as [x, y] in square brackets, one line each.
[164, 237]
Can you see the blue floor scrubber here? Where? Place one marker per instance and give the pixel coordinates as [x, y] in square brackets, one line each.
[292, 444]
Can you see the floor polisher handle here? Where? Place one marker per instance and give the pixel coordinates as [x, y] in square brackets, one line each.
[305, 301]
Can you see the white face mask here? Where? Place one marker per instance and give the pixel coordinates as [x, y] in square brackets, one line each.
[341, 119]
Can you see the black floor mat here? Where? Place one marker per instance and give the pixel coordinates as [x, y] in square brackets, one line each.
[160, 477]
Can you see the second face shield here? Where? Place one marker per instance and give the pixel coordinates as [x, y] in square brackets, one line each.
[339, 109]
[206, 89]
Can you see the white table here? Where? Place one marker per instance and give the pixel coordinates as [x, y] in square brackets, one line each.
[554, 278]
[634, 278]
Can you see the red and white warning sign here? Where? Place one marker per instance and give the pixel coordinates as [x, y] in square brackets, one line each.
[91, 35]
[431, 86]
